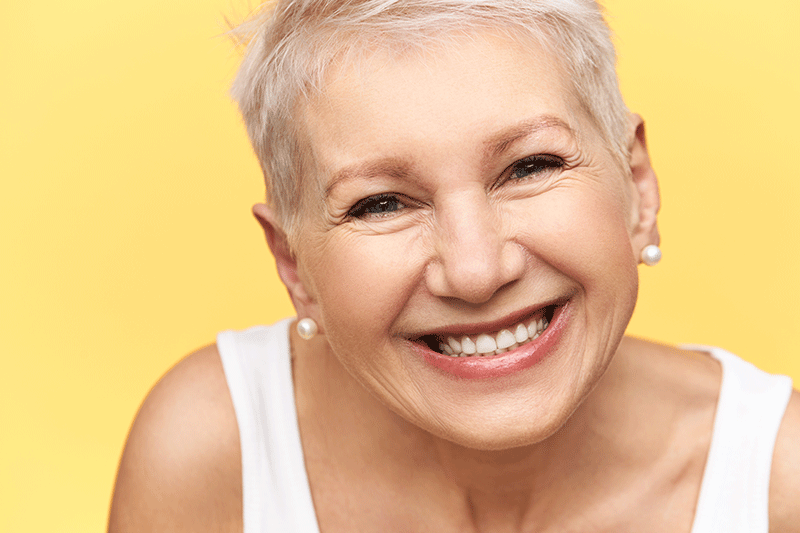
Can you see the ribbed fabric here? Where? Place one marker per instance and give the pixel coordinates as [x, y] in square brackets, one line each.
[734, 496]
[277, 496]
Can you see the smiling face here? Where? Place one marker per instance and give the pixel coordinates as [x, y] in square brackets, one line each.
[461, 194]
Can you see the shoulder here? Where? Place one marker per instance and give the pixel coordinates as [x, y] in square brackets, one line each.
[181, 468]
[670, 376]
[784, 491]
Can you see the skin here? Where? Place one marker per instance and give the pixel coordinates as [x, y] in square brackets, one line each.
[604, 434]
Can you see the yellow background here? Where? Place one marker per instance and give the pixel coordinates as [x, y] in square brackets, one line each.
[126, 239]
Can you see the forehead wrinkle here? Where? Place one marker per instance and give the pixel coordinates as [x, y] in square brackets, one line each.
[499, 143]
[388, 166]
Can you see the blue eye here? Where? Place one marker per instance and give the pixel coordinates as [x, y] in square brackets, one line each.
[378, 205]
[535, 165]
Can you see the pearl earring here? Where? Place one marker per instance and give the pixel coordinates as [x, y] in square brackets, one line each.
[651, 255]
[306, 328]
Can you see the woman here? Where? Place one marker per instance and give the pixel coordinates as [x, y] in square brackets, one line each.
[457, 203]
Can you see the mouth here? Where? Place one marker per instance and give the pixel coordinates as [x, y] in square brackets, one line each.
[493, 341]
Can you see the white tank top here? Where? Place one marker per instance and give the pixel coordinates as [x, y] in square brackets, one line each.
[276, 493]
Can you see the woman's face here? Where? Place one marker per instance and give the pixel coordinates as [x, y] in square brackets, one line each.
[464, 193]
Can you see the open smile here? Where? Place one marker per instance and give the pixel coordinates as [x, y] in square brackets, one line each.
[494, 351]
[488, 343]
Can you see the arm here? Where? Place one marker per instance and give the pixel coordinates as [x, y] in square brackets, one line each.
[181, 467]
[784, 490]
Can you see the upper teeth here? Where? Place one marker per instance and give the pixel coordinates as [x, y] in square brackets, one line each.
[503, 341]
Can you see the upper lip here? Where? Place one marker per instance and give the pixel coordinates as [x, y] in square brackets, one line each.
[506, 322]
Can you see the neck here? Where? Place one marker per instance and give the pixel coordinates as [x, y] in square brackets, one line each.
[342, 424]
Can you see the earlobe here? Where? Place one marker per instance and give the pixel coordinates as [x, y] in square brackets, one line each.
[646, 200]
[285, 260]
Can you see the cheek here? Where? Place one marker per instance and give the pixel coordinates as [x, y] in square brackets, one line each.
[582, 232]
[362, 282]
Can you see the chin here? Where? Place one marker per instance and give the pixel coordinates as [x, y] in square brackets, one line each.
[496, 441]
[513, 409]
[505, 429]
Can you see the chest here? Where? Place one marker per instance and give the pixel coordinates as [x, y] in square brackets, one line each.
[655, 503]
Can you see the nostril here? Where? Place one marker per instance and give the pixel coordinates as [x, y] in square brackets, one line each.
[474, 257]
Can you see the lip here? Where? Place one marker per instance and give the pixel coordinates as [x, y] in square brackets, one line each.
[507, 321]
[495, 366]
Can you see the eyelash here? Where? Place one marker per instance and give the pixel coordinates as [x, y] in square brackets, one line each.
[536, 164]
[368, 206]
[371, 206]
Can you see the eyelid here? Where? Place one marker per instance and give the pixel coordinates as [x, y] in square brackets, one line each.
[548, 162]
[364, 202]
[555, 160]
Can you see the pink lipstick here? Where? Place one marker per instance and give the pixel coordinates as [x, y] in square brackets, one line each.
[495, 366]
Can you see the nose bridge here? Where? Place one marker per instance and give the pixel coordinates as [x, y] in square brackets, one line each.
[475, 257]
[469, 222]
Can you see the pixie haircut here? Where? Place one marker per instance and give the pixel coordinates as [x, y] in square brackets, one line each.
[291, 44]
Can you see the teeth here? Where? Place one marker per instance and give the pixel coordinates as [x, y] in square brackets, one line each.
[485, 344]
[521, 334]
[501, 342]
[468, 346]
[505, 339]
[454, 344]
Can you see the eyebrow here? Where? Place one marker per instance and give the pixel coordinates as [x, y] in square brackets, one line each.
[500, 142]
[387, 166]
[493, 147]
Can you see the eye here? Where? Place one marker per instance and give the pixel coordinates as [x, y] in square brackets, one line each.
[534, 166]
[376, 206]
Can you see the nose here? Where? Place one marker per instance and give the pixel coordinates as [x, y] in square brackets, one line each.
[474, 258]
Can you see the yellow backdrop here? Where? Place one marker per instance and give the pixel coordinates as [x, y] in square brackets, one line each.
[126, 239]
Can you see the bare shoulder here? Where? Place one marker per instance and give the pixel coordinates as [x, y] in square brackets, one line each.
[784, 491]
[181, 468]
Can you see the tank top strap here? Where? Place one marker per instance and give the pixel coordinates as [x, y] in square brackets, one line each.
[276, 496]
[734, 495]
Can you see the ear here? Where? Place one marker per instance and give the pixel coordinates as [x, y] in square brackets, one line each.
[645, 198]
[285, 262]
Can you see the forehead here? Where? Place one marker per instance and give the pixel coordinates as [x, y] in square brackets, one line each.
[466, 91]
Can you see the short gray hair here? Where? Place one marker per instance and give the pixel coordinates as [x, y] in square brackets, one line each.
[290, 44]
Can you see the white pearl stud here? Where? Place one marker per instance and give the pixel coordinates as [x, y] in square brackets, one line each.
[306, 328]
[651, 255]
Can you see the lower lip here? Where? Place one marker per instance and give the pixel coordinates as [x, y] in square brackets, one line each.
[496, 366]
